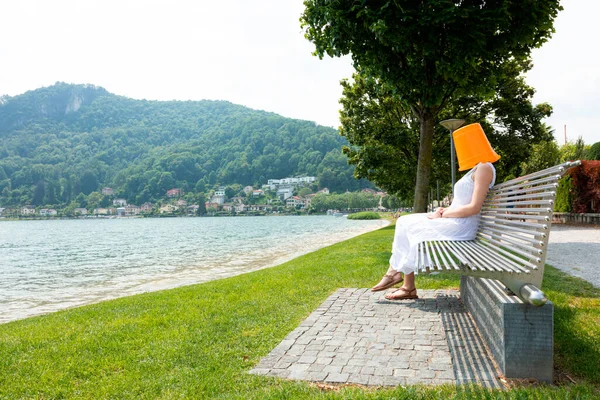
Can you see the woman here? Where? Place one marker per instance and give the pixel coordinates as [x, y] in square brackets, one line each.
[457, 222]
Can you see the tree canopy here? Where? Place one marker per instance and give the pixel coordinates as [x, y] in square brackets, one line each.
[430, 51]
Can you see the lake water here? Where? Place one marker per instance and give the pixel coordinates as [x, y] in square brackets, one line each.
[54, 264]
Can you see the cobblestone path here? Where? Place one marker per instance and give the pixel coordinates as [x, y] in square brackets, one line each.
[357, 336]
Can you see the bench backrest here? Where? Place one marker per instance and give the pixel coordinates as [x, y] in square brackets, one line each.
[517, 215]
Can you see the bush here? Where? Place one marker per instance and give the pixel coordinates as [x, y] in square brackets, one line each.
[563, 195]
[594, 152]
[586, 185]
[364, 215]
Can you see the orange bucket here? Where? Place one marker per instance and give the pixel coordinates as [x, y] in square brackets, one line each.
[472, 147]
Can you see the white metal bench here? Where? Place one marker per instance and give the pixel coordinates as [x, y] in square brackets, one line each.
[511, 240]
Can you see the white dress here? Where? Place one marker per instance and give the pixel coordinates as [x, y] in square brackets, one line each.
[413, 229]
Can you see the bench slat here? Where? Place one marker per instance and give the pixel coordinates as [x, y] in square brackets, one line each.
[557, 170]
[537, 253]
[545, 210]
[510, 222]
[503, 192]
[507, 254]
[509, 236]
[449, 256]
[517, 187]
[536, 232]
[512, 266]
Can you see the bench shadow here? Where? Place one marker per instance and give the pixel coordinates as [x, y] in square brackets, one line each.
[473, 368]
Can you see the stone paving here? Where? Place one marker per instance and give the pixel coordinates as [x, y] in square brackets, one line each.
[359, 337]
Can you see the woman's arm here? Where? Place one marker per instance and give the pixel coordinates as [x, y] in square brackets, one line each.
[483, 178]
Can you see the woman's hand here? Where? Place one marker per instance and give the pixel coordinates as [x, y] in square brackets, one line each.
[437, 214]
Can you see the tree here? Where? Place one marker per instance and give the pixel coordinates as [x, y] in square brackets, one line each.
[89, 182]
[384, 140]
[543, 155]
[39, 193]
[429, 51]
[574, 151]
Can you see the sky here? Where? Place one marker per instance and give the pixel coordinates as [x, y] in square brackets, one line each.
[248, 52]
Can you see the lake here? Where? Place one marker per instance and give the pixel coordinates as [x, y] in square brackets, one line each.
[55, 264]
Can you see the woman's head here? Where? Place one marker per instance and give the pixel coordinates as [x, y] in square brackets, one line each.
[472, 147]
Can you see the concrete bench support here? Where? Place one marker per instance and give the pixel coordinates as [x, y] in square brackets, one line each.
[520, 336]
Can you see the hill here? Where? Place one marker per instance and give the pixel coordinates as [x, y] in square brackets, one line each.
[65, 140]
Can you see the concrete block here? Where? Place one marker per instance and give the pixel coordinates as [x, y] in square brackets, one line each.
[520, 336]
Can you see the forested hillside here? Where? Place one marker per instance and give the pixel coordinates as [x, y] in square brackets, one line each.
[60, 141]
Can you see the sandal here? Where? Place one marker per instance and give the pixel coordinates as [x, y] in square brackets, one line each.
[404, 294]
[388, 280]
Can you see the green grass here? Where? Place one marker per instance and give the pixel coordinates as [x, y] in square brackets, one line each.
[364, 215]
[199, 341]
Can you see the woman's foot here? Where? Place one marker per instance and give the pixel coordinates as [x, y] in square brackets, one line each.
[402, 294]
[391, 278]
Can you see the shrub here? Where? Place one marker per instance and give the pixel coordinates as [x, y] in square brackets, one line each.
[594, 152]
[586, 185]
[563, 195]
[364, 215]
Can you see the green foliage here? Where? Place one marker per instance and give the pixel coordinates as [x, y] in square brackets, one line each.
[80, 138]
[592, 154]
[564, 195]
[430, 52]
[544, 155]
[365, 215]
[574, 151]
[345, 201]
[384, 140]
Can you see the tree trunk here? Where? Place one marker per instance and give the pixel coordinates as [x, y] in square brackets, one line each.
[426, 120]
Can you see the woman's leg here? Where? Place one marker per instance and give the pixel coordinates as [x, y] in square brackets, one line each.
[407, 291]
[391, 278]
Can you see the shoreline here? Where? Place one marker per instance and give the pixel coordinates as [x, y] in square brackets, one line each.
[191, 275]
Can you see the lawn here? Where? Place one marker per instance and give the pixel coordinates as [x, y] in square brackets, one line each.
[200, 341]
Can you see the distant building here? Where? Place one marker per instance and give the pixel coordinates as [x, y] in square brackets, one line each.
[80, 211]
[248, 189]
[193, 209]
[27, 210]
[108, 191]
[146, 207]
[104, 211]
[258, 193]
[308, 199]
[175, 192]
[227, 207]
[121, 211]
[219, 196]
[131, 209]
[119, 202]
[300, 181]
[324, 191]
[284, 192]
[294, 201]
[168, 209]
[48, 212]
[210, 204]
[181, 203]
